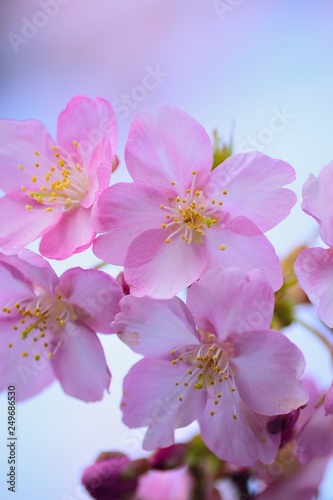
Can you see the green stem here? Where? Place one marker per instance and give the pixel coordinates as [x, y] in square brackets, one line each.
[319, 335]
[99, 266]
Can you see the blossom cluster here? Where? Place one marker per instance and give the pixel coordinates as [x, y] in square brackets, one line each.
[183, 224]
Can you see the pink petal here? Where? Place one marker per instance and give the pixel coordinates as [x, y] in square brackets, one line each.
[329, 401]
[34, 270]
[272, 354]
[95, 296]
[168, 148]
[317, 197]
[314, 270]
[23, 226]
[227, 301]
[240, 441]
[72, 235]
[300, 484]
[170, 484]
[19, 141]
[254, 183]
[86, 121]
[28, 375]
[159, 269]
[125, 210]
[80, 364]
[151, 400]
[315, 439]
[154, 327]
[245, 247]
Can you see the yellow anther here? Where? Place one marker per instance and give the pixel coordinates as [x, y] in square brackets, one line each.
[194, 172]
[234, 416]
[24, 354]
[212, 413]
[172, 183]
[37, 357]
[21, 167]
[175, 219]
[37, 165]
[167, 240]
[188, 191]
[34, 178]
[46, 344]
[216, 402]
[220, 203]
[57, 155]
[28, 207]
[199, 385]
[197, 193]
[213, 201]
[162, 207]
[178, 199]
[75, 144]
[180, 398]
[23, 189]
[163, 226]
[42, 335]
[50, 355]
[35, 339]
[78, 167]
[48, 176]
[174, 361]
[225, 192]
[15, 327]
[232, 389]
[37, 153]
[61, 162]
[62, 323]
[53, 198]
[186, 384]
[40, 199]
[10, 346]
[48, 209]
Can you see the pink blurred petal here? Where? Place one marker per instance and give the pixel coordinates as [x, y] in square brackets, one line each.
[315, 439]
[80, 364]
[19, 141]
[245, 247]
[168, 148]
[317, 201]
[125, 210]
[240, 441]
[140, 326]
[94, 294]
[272, 354]
[329, 401]
[156, 268]
[244, 302]
[72, 235]
[254, 183]
[151, 400]
[314, 270]
[23, 226]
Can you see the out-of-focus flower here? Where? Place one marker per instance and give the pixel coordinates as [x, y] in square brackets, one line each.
[178, 219]
[51, 186]
[300, 464]
[169, 458]
[48, 326]
[112, 476]
[223, 374]
[165, 485]
[314, 266]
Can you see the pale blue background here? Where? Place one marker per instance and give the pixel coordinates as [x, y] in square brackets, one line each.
[226, 70]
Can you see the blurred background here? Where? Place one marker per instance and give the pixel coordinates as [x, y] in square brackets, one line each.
[239, 65]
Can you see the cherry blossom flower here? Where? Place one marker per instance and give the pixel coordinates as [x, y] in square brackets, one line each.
[48, 326]
[178, 219]
[314, 266]
[51, 186]
[232, 373]
[301, 463]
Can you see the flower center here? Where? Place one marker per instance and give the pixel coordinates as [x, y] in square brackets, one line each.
[41, 318]
[192, 214]
[62, 187]
[209, 367]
